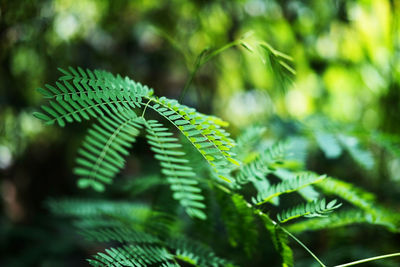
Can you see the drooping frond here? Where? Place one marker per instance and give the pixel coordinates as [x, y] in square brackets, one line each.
[277, 61]
[174, 166]
[315, 208]
[131, 255]
[280, 241]
[349, 192]
[387, 219]
[262, 164]
[358, 153]
[246, 141]
[118, 234]
[101, 155]
[309, 193]
[204, 132]
[195, 253]
[80, 95]
[94, 213]
[328, 143]
[300, 181]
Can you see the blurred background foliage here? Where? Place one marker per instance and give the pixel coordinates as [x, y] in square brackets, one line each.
[346, 55]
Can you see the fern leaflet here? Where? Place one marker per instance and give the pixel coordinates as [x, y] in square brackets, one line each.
[175, 168]
[262, 164]
[288, 186]
[388, 219]
[101, 154]
[80, 94]
[204, 132]
[315, 208]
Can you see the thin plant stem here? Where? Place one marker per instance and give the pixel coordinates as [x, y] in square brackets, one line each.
[302, 244]
[200, 62]
[196, 67]
[369, 259]
[144, 110]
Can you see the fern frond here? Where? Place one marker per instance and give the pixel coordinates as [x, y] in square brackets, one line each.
[118, 234]
[80, 95]
[309, 193]
[131, 255]
[288, 186]
[328, 143]
[348, 192]
[101, 154]
[315, 208]
[174, 166]
[359, 154]
[262, 164]
[94, 213]
[202, 131]
[195, 253]
[387, 219]
[247, 140]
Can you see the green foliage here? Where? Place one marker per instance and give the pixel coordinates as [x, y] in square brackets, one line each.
[140, 235]
[101, 156]
[80, 95]
[347, 217]
[174, 167]
[262, 164]
[240, 223]
[291, 185]
[280, 241]
[354, 195]
[317, 208]
[131, 255]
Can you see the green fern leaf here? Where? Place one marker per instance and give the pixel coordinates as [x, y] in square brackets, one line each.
[328, 143]
[385, 218]
[80, 95]
[315, 208]
[118, 234]
[94, 214]
[258, 168]
[204, 132]
[349, 192]
[359, 154]
[175, 167]
[195, 253]
[131, 255]
[288, 186]
[101, 155]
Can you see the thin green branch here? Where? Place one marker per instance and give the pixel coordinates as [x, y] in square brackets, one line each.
[369, 259]
[197, 65]
[302, 244]
[200, 62]
[144, 110]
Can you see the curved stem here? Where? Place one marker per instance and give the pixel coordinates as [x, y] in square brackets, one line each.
[145, 107]
[369, 259]
[302, 244]
[200, 62]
